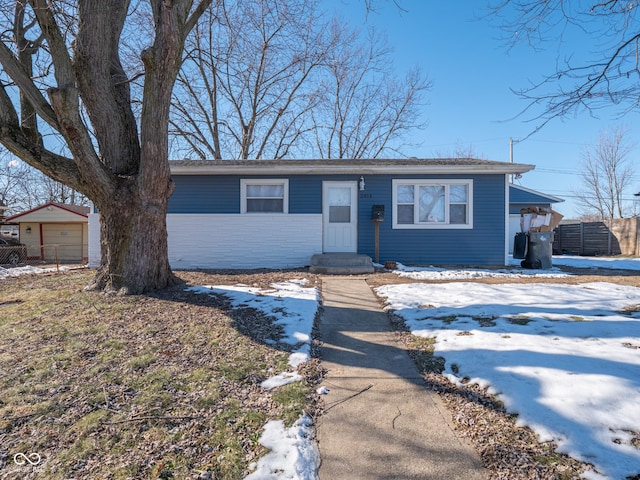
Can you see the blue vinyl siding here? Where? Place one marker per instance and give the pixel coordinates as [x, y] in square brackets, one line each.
[521, 199]
[221, 193]
[205, 194]
[521, 196]
[483, 244]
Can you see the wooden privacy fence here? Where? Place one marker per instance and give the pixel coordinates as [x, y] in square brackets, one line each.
[620, 236]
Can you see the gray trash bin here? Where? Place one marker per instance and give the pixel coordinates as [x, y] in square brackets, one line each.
[520, 245]
[539, 250]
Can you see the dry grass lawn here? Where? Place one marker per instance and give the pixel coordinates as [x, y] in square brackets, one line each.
[157, 386]
[168, 385]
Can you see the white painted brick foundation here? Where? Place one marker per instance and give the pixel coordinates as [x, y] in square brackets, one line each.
[233, 241]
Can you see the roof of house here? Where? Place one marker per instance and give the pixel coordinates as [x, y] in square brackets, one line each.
[359, 166]
[76, 209]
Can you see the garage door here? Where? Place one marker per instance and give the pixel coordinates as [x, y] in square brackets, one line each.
[62, 242]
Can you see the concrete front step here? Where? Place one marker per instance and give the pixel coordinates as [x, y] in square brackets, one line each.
[341, 264]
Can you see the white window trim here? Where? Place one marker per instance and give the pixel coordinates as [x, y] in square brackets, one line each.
[432, 225]
[263, 181]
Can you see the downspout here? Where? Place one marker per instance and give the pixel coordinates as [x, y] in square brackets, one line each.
[506, 219]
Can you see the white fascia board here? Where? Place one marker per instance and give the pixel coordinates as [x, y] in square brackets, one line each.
[254, 169]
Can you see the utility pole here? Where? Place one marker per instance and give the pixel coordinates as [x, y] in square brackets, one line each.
[511, 142]
[510, 150]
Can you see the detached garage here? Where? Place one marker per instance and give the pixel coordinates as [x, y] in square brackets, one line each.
[54, 232]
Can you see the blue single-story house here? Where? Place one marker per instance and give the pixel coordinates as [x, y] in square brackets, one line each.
[279, 213]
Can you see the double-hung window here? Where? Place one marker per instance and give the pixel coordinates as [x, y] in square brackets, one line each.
[432, 204]
[264, 196]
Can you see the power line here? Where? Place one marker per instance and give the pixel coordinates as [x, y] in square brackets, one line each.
[573, 172]
[553, 170]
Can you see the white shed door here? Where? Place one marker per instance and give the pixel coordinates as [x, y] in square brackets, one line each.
[339, 216]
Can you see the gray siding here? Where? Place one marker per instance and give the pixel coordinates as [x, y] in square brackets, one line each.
[484, 244]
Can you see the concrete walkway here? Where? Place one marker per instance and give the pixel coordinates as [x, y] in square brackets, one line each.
[380, 421]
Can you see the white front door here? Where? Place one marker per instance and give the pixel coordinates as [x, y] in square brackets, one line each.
[340, 216]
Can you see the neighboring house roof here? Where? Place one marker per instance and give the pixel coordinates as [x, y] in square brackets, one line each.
[359, 167]
[35, 214]
[519, 194]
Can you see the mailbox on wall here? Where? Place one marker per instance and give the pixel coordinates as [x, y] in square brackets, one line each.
[377, 213]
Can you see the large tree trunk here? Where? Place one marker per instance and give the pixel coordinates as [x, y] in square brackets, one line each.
[127, 176]
[133, 246]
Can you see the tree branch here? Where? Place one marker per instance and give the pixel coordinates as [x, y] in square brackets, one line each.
[11, 65]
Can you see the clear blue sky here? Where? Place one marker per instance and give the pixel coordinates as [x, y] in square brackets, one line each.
[471, 103]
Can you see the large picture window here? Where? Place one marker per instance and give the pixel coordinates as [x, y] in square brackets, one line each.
[265, 196]
[432, 204]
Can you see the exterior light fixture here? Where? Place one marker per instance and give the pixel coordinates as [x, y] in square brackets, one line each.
[361, 183]
[28, 230]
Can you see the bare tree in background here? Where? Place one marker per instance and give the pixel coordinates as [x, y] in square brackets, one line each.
[365, 105]
[247, 83]
[610, 77]
[276, 79]
[48, 190]
[23, 187]
[461, 150]
[606, 174]
[14, 177]
[75, 84]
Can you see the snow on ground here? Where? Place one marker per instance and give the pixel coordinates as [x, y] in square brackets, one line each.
[438, 273]
[565, 358]
[515, 271]
[292, 306]
[293, 452]
[26, 270]
[593, 262]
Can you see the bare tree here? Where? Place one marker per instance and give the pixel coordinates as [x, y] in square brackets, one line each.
[365, 105]
[118, 162]
[48, 190]
[244, 89]
[606, 174]
[276, 79]
[22, 187]
[460, 150]
[14, 176]
[611, 77]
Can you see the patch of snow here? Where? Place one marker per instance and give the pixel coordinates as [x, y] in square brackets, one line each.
[437, 273]
[281, 379]
[621, 263]
[563, 357]
[293, 452]
[290, 304]
[27, 270]
[515, 271]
